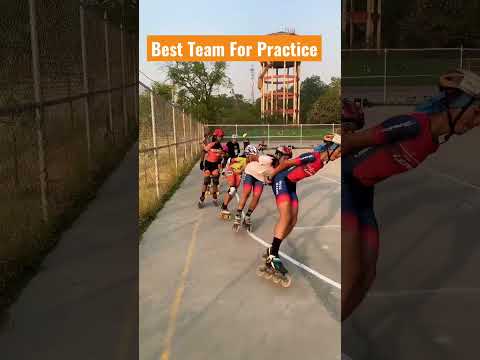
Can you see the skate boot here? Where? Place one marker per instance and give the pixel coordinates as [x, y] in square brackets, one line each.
[247, 223]
[237, 222]
[274, 269]
[201, 203]
[225, 214]
[215, 202]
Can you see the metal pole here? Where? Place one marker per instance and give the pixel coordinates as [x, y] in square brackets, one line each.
[461, 56]
[379, 24]
[268, 135]
[299, 94]
[109, 79]
[184, 135]
[301, 134]
[43, 175]
[154, 140]
[333, 128]
[284, 88]
[174, 138]
[190, 135]
[385, 76]
[294, 119]
[351, 23]
[86, 100]
[271, 94]
[236, 129]
[124, 97]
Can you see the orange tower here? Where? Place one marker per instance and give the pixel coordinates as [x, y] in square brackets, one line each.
[279, 85]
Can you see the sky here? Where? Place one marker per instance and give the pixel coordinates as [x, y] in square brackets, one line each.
[248, 17]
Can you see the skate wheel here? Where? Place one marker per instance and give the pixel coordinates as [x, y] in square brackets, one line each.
[236, 228]
[267, 275]
[260, 271]
[287, 281]
[200, 205]
[276, 279]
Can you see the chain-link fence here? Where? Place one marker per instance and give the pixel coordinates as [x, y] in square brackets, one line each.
[68, 112]
[169, 144]
[401, 76]
[273, 133]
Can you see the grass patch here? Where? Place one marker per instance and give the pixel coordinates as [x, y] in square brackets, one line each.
[16, 271]
[146, 217]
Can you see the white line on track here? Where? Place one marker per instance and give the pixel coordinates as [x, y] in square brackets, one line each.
[328, 178]
[316, 227]
[299, 264]
[293, 261]
[453, 178]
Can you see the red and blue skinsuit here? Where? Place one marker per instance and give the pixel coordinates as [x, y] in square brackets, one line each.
[401, 144]
[284, 184]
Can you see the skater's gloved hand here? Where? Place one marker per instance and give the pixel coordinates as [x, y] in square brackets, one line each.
[268, 179]
[202, 165]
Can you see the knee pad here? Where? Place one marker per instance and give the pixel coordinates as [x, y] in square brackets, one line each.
[206, 180]
[232, 190]
[215, 180]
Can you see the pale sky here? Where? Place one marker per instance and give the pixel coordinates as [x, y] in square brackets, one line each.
[249, 17]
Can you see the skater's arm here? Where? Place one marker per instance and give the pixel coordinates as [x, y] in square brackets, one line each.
[284, 165]
[392, 130]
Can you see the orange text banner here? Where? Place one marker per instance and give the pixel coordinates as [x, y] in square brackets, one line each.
[234, 48]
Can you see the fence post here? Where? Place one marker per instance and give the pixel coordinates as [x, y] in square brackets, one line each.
[184, 135]
[268, 135]
[38, 111]
[333, 128]
[154, 140]
[236, 129]
[190, 136]
[174, 139]
[385, 76]
[124, 97]
[86, 100]
[109, 79]
[461, 56]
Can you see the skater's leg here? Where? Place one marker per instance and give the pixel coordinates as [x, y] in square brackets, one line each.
[352, 274]
[369, 238]
[206, 181]
[294, 216]
[215, 182]
[247, 189]
[282, 226]
[232, 189]
[257, 194]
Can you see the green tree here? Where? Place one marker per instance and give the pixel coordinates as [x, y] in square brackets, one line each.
[310, 90]
[197, 82]
[162, 89]
[327, 108]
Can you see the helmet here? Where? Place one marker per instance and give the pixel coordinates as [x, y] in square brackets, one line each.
[234, 136]
[352, 115]
[283, 151]
[458, 90]
[333, 138]
[244, 135]
[251, 150]
[462, 80]
[218, 132]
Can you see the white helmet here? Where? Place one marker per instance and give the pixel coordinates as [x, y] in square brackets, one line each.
[251, 150]
[234, 136]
